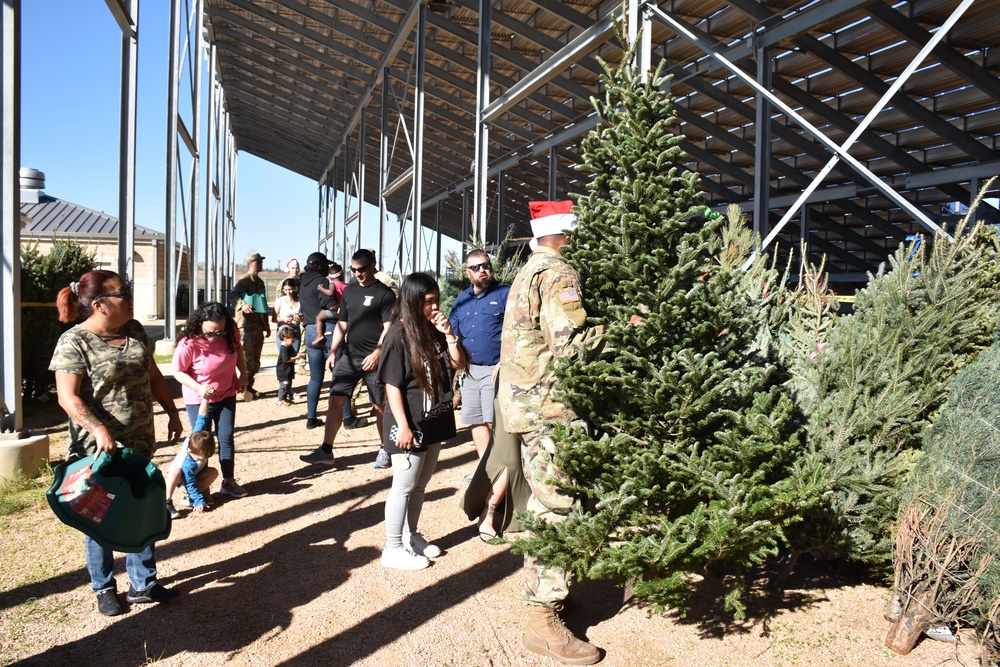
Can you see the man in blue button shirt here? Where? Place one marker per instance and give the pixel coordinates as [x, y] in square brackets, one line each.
[477, 318]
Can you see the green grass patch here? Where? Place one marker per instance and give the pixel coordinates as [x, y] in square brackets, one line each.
[21, 493]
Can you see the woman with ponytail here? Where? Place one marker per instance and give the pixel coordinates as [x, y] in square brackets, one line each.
[419, 355]
[106, 381]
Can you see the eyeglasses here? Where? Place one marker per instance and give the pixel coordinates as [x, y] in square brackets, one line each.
[124, 293]
[213, 334]
[361, 269]
[476, 268]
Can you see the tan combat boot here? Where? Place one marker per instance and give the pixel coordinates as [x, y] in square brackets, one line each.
[547, 635]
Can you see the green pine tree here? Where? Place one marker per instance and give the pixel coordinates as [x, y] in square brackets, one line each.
[879, 381]
[685, 462]
[947, 557]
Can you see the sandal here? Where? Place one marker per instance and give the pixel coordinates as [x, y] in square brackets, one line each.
[490, 511]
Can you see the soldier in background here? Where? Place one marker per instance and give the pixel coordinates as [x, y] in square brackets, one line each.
[253, 317]
[544, 320]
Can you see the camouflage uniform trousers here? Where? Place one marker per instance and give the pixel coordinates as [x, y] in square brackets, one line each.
[544, 585]
[252, 332]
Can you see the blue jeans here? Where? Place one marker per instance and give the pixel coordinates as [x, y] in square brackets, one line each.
[317, 367]
[223, 414]
[141, 567]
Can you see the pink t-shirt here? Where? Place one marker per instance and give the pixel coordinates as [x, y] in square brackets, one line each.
[210, 363]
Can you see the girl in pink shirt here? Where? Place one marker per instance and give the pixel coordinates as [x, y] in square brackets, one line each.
[209, 355]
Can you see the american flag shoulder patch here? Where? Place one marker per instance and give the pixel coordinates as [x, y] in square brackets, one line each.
[569, 296]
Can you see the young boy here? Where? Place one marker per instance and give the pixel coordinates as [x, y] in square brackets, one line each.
[285, 367]
[191, 463]
[335, 288]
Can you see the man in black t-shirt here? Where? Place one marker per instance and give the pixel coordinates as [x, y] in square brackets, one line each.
[316, 270]
[365, 310]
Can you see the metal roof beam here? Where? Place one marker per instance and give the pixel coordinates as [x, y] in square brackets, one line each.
[874, 84]
[821, 196]
[831, 249]
[564, 11]
[846, 233]
[877, 143]
[402, 35]
[962, 174]
[572, 88]
[852, 207]
[539, 37]
[296, 28]
[123, 17]
[577, 48]
[949, 57]
[718, 163]
[772, 36]
[683, 29]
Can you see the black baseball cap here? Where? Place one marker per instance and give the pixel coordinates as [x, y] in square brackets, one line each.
[317, 259]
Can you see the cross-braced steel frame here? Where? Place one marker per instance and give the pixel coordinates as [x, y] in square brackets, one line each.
[855, 118]
[188, 51]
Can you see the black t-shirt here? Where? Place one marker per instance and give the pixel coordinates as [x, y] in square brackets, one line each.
[366, 310]
[311, 299]
[285, 367]
[432, 416]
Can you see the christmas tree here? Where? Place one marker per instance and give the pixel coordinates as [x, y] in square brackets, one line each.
[878, 380]
[947, 558]
[684, 464]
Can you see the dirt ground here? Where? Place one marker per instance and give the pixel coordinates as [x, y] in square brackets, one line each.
[290, 575]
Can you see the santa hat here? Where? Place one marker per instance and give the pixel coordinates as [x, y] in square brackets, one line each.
[551, 217]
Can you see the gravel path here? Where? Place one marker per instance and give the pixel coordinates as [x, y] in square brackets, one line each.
[290, 575]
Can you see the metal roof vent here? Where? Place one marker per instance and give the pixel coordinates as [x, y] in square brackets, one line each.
[32, 182]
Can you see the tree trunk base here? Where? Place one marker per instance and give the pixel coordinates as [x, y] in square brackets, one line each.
[905, 632]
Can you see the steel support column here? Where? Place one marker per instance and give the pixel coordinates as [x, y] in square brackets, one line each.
[195, 73]
[762, 148]
[418, 133]
[553, 174]
[10, 194]
[211, 177]
[186, 37]
[127, 14]
[383, 165]
[482, 127]
[169, 259]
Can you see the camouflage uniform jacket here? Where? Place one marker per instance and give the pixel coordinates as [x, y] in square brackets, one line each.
[115, 384]
[251, 290]
[544, 321]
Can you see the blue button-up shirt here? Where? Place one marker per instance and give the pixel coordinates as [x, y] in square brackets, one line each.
[478, 319]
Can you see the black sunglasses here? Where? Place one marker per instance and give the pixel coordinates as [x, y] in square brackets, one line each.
[213, 334]
[124, 293]
[361, 269]
[476, 268]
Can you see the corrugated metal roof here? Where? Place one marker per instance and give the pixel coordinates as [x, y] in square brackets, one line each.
[57, 217]
[294, 72]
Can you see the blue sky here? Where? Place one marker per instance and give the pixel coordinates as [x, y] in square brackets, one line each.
[70, 89]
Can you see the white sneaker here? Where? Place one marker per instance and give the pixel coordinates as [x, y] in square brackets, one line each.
[403, 559]
[422, 546]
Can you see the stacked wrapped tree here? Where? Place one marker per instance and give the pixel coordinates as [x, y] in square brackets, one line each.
[947, 556]
[685, 462]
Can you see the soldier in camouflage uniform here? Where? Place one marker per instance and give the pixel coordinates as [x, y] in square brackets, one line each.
[253, 317]
[544, 321]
